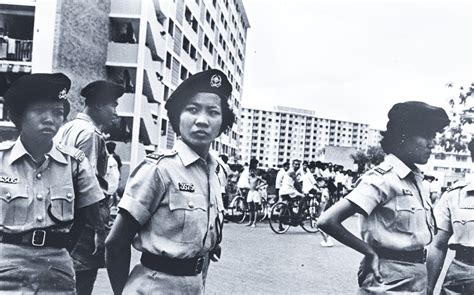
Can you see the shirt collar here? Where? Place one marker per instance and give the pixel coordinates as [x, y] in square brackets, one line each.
[86, 117]
[19, 150]
[399, 167]
[56, 155]
[189, 156]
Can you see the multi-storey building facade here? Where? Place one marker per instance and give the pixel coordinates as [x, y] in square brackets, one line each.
[149, 46]
[277, 135]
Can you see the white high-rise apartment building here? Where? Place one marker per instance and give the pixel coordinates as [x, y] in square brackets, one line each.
[149, 46]
[283, 133]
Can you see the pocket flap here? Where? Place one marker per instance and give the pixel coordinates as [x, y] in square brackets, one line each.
[9, 194]
[179, 201]
[63, 193]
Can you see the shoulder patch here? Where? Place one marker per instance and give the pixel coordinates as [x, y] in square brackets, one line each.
[457, 185]
[6, 145]
[156, 157]
[383, 168]
[75, 153]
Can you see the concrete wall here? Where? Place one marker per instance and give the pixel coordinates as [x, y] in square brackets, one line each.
[80, 50]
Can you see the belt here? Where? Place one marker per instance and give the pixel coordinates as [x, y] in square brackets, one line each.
[465, 254]
[416, 256]
[37, 238]
[173, 266]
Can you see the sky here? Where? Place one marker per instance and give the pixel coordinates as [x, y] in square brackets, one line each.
[352, 60]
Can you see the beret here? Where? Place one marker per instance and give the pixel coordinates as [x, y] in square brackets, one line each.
[210, 81]
[417, 117]
[38, 87]
[102, 90]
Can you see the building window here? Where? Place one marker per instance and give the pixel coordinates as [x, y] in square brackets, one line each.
[171, 27]
[184, 73]
[168, 60]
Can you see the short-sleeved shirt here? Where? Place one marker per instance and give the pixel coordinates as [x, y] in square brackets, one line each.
[398, 213]
[176, 198]
[309, 182]
[33, 197]
[288, 184]
[454, 214]
[84, 134]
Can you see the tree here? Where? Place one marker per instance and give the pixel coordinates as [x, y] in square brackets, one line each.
[374, 156]
[456, 137]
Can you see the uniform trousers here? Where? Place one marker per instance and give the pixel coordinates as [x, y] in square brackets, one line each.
[35, 270]
[399, 277]
[459, 279]
[143, 280]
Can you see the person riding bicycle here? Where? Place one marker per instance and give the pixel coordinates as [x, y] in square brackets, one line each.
[309, 187]
[291, 189]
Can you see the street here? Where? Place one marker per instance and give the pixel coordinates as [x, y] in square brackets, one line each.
[258, 261]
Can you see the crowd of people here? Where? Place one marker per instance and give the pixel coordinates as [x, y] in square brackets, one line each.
[57, 180]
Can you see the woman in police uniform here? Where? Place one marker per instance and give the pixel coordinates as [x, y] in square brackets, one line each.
[42, 185]
[171, 207]
[396, 213]
[455, 220]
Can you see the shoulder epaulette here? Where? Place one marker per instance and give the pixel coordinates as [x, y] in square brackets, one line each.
[6, 145]
[457, 185]
[75, 153]
[383, 168]
[158, 156]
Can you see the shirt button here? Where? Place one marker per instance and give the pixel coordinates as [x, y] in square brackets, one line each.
[190, 204]
[39, 218]
[39, 196]
[8, 196]
[39, 175]
[211, 227]
[69, 195]
[212, 205]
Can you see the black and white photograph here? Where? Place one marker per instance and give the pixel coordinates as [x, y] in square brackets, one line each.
[236, 147]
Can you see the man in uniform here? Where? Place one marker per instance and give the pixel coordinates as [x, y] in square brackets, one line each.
[43, 187]
[84, 132]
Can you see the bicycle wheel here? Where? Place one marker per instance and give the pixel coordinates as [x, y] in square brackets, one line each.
[240, 210]
[279, 218]
[310, 218]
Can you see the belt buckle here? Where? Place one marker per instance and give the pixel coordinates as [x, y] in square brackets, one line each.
[199, 265]
[39, 237]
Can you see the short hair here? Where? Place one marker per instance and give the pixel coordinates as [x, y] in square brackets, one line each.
[224, 158]
[110, 147]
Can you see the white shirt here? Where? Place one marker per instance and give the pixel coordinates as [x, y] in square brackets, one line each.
[112, 176]
[308, 182]
[279, 178]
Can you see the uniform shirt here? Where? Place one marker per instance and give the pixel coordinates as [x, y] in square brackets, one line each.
[398, 211]
[455, 214]
[279, 178]
[84, 134]
[31, 197]
[176, 199]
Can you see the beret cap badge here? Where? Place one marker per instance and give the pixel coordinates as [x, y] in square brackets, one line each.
[62, 94]
[216, 81]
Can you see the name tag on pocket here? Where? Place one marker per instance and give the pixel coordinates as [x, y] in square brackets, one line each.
[186, 187]
[8, 179]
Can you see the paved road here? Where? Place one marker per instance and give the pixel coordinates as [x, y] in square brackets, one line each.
[258, 261]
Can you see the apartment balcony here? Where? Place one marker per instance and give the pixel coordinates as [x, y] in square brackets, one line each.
[149, 131]
[122, 55]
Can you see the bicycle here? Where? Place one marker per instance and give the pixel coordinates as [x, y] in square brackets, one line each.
[285, 214]
[238, 207]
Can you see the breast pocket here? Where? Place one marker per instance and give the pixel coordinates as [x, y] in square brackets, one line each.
[62, 203]
[463, 220]
[14, 205]
[410, 214]
[189, 215]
